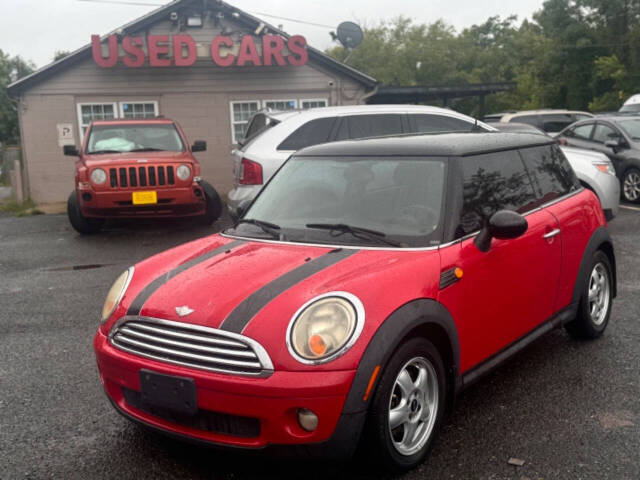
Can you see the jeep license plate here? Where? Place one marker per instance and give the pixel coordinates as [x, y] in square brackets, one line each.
[144, 198]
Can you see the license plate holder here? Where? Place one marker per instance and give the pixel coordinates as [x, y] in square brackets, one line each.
[148, 197]
[168, 391]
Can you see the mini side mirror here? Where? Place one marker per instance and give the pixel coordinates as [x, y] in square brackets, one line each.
[503, 225]
[199, 146]
[70, 150]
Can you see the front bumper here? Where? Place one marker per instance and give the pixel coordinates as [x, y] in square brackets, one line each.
[273, 401]
[607, 188]
[172, 202]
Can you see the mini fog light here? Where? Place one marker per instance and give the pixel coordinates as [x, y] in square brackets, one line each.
[307, 419]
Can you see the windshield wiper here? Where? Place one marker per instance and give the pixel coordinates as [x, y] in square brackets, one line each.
[98, 152]
[268, 227]
[358, 232]
[147, 149]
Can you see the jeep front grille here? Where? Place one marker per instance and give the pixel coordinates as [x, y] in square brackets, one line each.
[143, 176]
[191, 346]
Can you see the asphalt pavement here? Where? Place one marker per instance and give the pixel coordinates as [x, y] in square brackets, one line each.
[569, 409]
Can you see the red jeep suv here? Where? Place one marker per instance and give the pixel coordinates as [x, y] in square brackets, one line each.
[138, 168]
[365, 286]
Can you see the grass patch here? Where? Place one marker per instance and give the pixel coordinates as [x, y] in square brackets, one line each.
[16, 209]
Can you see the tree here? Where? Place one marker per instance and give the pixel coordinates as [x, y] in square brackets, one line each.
[11, 69]
[59, 54]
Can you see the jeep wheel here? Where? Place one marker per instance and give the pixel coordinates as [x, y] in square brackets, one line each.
[408, 406]
[594, 309]
[213, 204]
[81, 224]
[631, 185]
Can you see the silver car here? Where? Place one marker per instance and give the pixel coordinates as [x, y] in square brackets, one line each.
[594, 169]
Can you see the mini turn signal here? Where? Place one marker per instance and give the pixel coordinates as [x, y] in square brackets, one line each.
[317, 345]
[458, 272]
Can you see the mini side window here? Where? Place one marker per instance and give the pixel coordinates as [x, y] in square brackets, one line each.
[492, 182]
[311, 133]
[551, 173]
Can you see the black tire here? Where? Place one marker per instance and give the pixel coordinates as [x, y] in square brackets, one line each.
[379, 439]
[81, 224]
[213, 204]
[594, 310]
[630, 185]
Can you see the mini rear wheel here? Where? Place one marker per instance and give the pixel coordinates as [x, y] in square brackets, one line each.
[213, 204]
[594, 309]
[80, 223]
[408, 406]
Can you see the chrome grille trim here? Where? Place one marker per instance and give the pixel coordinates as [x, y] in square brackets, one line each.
[190, 345]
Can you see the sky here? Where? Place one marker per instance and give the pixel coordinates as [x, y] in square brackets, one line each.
[35, 29]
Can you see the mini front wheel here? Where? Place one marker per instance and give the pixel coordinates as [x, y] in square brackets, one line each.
[408, 406]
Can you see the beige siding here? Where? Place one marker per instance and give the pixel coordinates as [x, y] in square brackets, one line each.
[198, 97]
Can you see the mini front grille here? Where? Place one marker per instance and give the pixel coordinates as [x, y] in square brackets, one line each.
[215, 422]
[141, 176]
[191, 345]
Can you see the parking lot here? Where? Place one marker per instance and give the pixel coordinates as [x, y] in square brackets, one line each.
[568, 409]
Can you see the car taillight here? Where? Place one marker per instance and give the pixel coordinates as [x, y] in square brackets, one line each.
[250, 173]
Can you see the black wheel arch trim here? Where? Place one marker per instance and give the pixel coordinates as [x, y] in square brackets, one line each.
[600, 240]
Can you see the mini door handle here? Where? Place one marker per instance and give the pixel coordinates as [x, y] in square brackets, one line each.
[551, 234]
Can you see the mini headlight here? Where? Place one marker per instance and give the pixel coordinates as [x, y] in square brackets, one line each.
[183, 172]
[115, 293]
[98, 176]
[325, 327]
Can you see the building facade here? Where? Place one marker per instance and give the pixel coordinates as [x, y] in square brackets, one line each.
[205, 64]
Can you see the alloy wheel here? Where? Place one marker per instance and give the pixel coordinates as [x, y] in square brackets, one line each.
[631, 186]
[413, 406]
[599, 293]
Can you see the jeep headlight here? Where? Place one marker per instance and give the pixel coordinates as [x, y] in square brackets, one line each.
[98, 176]
[325, 327]
[116, 292]
[183, 172]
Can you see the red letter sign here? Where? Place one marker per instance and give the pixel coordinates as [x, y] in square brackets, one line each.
[228, 59]
[272, 46]
[133, 46]
[297, 46]
[178, 59]
[248, 52]
[96, 48]
[155, 50]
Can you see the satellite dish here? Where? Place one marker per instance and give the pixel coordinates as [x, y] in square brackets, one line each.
[350, 35]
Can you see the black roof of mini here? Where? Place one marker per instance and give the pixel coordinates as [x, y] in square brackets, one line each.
[428, 145]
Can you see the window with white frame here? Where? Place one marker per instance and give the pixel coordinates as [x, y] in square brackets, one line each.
[88, 112]
[280, 105]
[313, 103]
[241, 112]
[138, 109]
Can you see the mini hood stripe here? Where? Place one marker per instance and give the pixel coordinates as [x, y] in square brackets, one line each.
[143, 296]
[240, 316]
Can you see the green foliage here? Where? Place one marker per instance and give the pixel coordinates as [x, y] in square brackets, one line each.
[58, 54]
[579, 54]
[11, 69]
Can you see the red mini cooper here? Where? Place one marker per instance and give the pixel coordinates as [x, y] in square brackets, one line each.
[364, 287]
[138, 168]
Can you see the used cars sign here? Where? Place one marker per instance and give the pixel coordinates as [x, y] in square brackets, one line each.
[181, 51]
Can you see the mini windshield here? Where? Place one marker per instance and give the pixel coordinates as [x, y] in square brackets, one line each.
[373, 201]
[133, 138]
[632, 127]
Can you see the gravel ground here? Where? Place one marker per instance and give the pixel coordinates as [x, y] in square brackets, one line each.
[569, 409]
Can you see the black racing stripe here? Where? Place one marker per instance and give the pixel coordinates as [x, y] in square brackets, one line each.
[143, 296]
[238, 319]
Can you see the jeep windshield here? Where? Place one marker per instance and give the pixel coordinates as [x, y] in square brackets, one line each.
[373, 201]
[127, 138]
